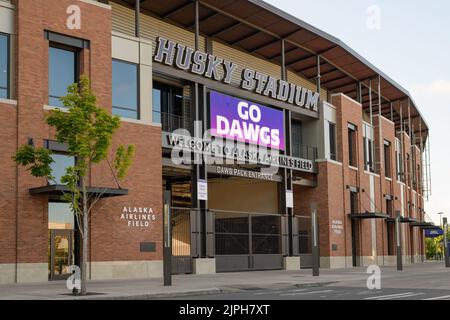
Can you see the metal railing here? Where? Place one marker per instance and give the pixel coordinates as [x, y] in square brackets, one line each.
[304, 152]
[171, 122]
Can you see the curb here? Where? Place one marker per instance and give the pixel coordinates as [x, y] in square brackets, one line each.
[147, 296]
[199, 292]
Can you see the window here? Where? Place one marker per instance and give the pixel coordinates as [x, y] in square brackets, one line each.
[387, 159]
[297, 138]
[168, 103]
[125, 89]
[60, 216]
[4, 66]
[399, 160]
[352, 145]
[368, 140]
[62, 72]
[332, 140]
[59, 165]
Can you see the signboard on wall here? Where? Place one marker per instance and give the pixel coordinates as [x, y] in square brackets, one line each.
[245, 121]
[202, 190]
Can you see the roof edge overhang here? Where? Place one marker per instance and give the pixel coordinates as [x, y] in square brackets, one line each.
[59, 190]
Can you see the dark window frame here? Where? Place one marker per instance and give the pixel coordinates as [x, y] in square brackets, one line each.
[58, 148]
[8, 65]
[332, 142]
[77, 63]
[387, 145]
[138, 91]
[352, 145]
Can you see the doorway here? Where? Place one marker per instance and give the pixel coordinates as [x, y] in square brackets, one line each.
[60, 254]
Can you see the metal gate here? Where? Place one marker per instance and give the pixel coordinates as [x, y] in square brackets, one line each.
[181, 241]
[246, 241]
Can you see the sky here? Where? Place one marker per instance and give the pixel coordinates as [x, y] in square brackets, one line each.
[409, 40]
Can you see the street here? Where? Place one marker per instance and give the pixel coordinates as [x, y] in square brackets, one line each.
[329, 293]
[419, 282]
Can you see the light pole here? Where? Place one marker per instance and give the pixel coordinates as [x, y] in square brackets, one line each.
[440, 218]
[446, 253]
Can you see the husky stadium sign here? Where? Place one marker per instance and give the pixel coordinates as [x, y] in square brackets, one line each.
[207, 65]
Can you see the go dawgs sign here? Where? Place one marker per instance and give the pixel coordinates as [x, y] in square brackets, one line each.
[245, 121]
[210, 66]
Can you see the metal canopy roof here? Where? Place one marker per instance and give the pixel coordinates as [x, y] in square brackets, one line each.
[404, 220]
[369, 215]
[59, 190]
[257, 28]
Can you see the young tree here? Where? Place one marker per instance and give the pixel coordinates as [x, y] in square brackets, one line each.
[87, 130]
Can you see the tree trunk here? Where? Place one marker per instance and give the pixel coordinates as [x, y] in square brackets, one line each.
[84, 253]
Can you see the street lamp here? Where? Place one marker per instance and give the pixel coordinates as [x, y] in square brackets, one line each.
[440, 218]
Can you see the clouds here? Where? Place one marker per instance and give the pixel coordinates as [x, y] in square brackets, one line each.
[437, 87]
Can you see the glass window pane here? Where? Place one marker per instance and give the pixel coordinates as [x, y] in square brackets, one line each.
[59, 165]
[60, 216]
[61, 73]
[3, 93]
[125, 113]
[124, 89]
[4, 53]
[156, 97]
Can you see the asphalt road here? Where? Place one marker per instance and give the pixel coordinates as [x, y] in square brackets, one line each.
[329, 293]
[419, 282]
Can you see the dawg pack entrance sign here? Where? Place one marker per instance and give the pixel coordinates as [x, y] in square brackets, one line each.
[245, 121]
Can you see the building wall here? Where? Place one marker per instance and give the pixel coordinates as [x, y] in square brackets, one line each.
[333, 196]
[115, 247]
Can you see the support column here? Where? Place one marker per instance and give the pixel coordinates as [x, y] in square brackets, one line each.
[292, 261]
[167, 225]
[315, 240]
[318, 75]
[204, 262]
[446, 249]
[137, 19]
[399, 241]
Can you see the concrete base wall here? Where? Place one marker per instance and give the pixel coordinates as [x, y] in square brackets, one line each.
[126, 270]
[32, 272]
[291, 263]
[335, 262]
[204, 266]
[7, 273]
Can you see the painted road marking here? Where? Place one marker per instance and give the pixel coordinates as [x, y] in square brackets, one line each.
[309, 292]
[405, 296]
[370, 292]
[388, 295]
[439, 298]
[278, 292]
[394, 296]
[267, 292]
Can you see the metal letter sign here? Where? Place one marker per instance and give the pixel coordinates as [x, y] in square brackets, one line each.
[171, 53]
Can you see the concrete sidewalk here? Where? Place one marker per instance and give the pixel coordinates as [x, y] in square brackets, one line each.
[183, 285]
